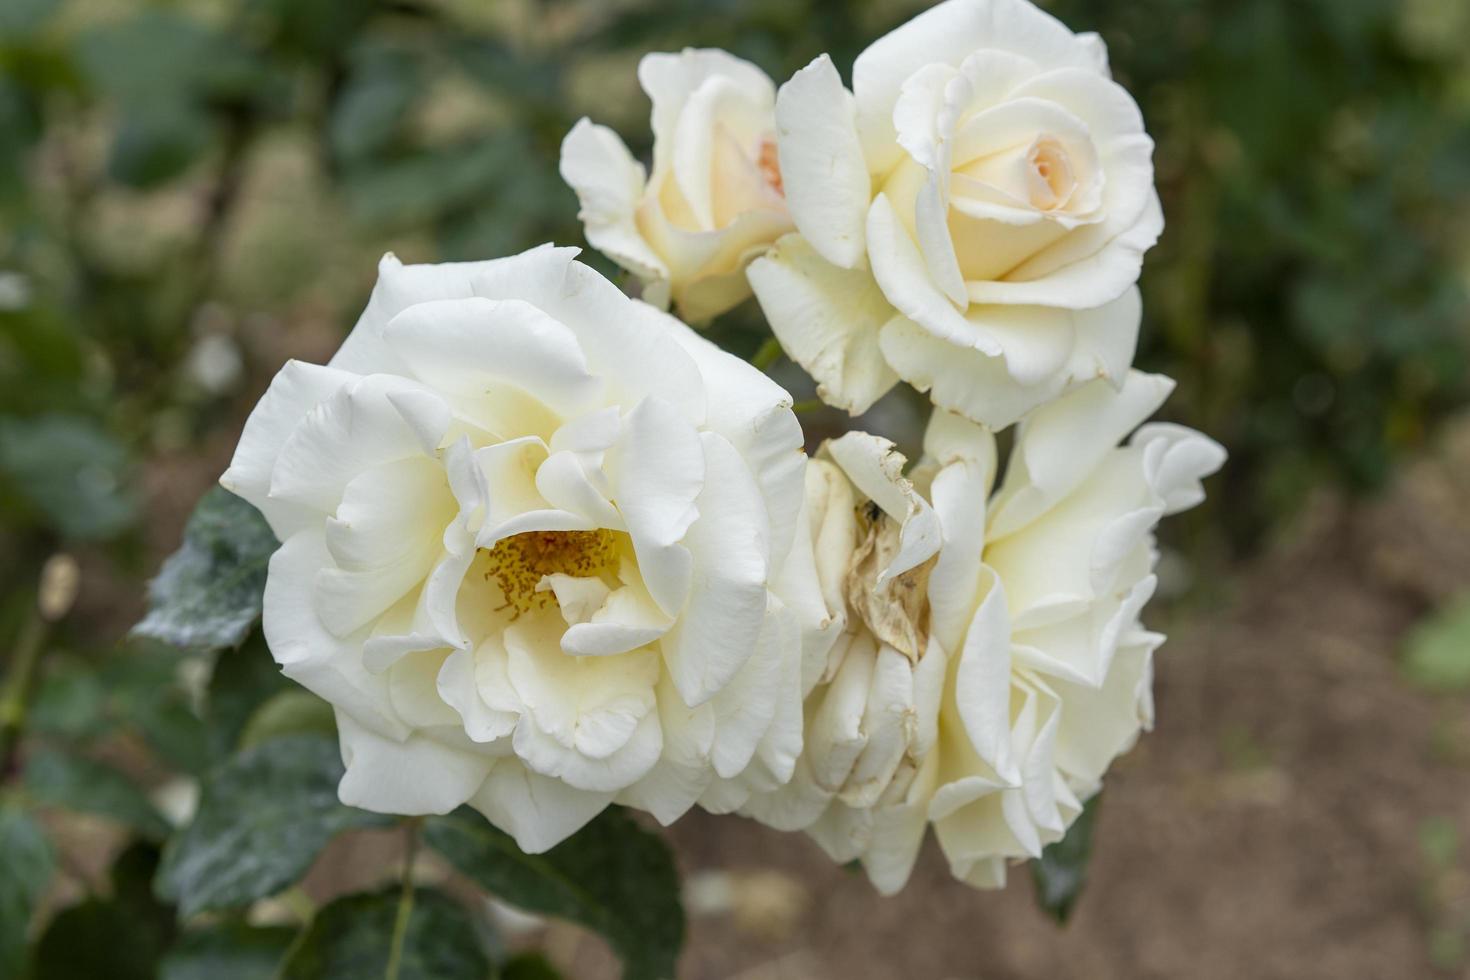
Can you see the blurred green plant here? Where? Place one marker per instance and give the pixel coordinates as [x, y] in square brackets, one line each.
[1437, 651]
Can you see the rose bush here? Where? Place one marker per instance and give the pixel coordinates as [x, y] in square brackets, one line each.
[535, 543]
[714, 199]
[970, 218]
[992, 662]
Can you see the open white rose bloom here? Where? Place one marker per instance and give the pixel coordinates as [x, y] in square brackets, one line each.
[971, 218]
[713, 201]
[993, 663]
[537, 550]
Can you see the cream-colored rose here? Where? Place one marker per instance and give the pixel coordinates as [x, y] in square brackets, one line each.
[971, 218]
[714, 200]
[992, 663]
[534, 550]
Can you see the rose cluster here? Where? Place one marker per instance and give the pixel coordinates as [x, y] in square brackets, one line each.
[544, 548]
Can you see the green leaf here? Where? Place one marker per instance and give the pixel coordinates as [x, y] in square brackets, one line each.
[175, 732]
[77, 783]
[612, 877]
[70, 701]
[431, 183]
[145, 693]
[71, 471]
[1061, 871]
[21, 17]
[373, 107]
[314, 28]
[1437, 654]
[352, 937]
[118, 938]
[263, 818]
[529, 966]
[97, 939]
[241, 682]
[132, 875]
[295, 712]
[227, 951]
[163, 58]
[157, 145]
[28, 861]
[208, 594]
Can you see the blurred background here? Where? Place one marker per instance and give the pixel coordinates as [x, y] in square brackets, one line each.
[190, 193]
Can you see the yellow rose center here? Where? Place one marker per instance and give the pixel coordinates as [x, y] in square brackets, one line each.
[519, 562]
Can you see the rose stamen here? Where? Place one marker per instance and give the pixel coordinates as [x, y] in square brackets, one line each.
[519, 563]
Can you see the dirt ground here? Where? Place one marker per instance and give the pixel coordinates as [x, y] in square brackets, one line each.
[1270, 827]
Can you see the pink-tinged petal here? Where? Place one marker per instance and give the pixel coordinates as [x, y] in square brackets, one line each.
[827, 320]
[609, 184]
[948, 33]
[670, 80]
[901, 273]
[823, 172]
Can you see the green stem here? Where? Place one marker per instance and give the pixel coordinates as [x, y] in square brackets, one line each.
[810, 405]
[767, 354]
[405, 902]
[28, 648]
[55, 593]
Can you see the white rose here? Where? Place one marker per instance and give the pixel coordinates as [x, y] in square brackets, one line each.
[530, 531]
[714, 199]
[972, 217]
[992, 664]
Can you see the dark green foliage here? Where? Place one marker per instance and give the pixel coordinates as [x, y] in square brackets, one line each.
[121, 936]
[75, 782]
[1060, 873]
[242, 681]
[612, 877]
[227, 951]
[97, 938]
[351, 939]
[70, 472]
[262, 820]
[28, 861]
[208, 594]
[528, 966]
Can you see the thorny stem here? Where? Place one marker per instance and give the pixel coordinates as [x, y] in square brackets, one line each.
[405, 901]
